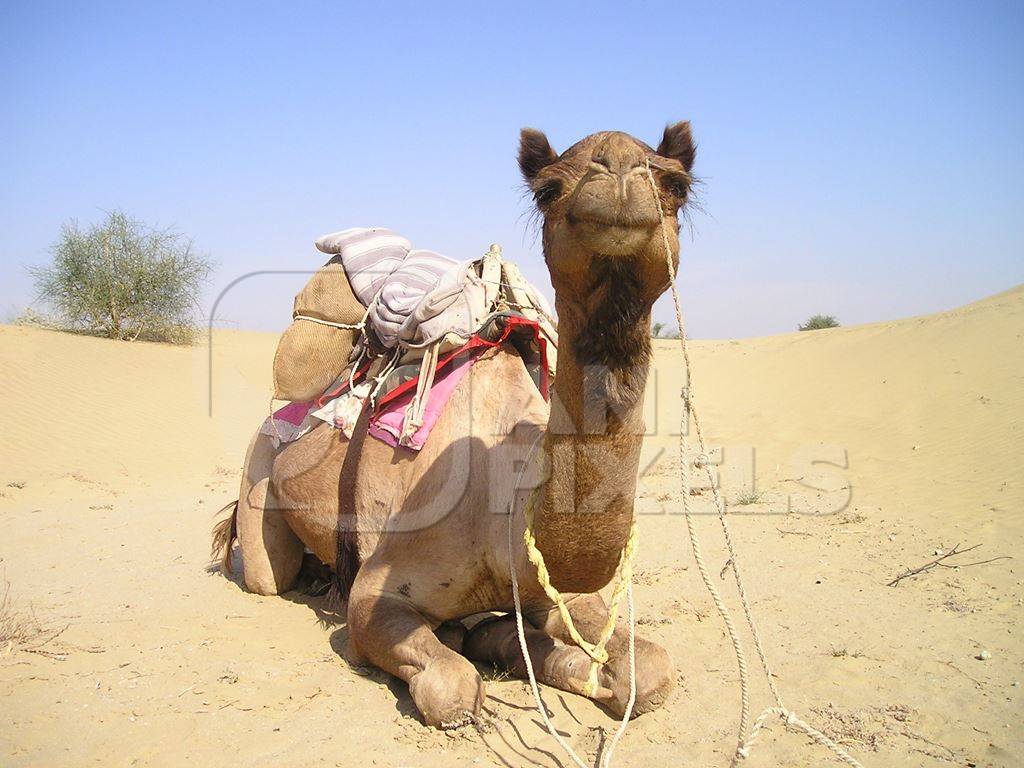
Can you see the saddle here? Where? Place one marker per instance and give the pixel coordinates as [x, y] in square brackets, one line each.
[422, 316]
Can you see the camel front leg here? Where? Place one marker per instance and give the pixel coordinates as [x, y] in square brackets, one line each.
[393, 635]
[561, 666]
[655, 673]
[271, 552]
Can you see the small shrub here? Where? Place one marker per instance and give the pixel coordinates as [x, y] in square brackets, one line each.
[124, 280]
[748, 496]
[843, 653]
[32, 319]
[658, 331]
[22, 631]
[817, 322]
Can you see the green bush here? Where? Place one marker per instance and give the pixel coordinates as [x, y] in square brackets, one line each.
[31, 319]
[658, 332]
[748, 496]
[817, 322]
[124, 280]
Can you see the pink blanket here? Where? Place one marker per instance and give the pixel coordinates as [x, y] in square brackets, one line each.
[288, 423]
[388, 423]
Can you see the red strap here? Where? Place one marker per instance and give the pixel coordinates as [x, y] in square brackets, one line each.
[476, 342]
[328, 396]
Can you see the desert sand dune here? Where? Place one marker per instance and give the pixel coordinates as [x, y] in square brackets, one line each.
[113, 464]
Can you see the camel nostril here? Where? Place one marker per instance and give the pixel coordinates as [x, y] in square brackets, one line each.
[629, 165]
[617, 166]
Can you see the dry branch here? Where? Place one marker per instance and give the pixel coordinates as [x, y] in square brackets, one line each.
[22, 631]
[939, 563]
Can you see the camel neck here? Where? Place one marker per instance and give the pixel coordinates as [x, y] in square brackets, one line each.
[595, 434]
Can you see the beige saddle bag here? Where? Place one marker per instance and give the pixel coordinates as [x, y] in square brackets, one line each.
[327, 322]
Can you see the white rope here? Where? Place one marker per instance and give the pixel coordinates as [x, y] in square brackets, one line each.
[606, 762]
[519, 618]
[745, 740]
[360, 326]
[344, 326]
[377, 382]
[354, 368]
[523, 647]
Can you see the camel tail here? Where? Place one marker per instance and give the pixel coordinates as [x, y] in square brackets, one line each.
[225, 532]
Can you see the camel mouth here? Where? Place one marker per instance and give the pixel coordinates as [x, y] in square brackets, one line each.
[612, 238]
[610, 224]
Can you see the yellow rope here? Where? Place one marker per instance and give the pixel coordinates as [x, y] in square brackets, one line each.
[623, 578]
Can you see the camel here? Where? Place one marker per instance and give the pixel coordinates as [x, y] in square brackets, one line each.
[420, 541]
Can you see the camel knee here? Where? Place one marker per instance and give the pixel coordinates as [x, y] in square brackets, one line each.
[448, 692]
[655, 678]
[655, 673]
[445, 687]
[389, 633]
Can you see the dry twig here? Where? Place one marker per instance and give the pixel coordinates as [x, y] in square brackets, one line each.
[725, 569]
[22, 631]
[784, 532]
[938, 563]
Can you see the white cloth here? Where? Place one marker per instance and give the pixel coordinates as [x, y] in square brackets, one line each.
[343, 412]
[368, 254]
[405, 289]
[418, 297]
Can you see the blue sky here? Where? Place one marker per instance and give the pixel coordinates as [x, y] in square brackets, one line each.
[859, 159]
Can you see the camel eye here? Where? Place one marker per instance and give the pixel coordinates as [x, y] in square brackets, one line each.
[547, 193]
[676, 184]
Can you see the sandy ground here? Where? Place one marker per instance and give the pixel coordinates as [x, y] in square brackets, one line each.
[873, 447]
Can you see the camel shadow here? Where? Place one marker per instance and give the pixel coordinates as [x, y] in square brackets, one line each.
[340, 642]
[501, 735]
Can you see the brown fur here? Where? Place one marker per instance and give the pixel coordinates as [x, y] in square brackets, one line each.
[224, 536]
[534, 152]
[425, 535]
[347, 560]
[615, 334]
[677, 143]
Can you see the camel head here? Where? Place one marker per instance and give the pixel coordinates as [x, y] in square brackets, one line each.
[600, 216]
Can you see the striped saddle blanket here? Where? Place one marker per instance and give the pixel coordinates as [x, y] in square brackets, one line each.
[414, 297]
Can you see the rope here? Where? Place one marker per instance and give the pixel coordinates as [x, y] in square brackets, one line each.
[414, 412]
[344, 326]
[377, 382]
[623, 577]
[597, 651]
[606, 762]
[521, 632]
[360, 326]
[745, 740]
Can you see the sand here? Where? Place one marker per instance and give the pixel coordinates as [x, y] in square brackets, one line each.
[112, 468]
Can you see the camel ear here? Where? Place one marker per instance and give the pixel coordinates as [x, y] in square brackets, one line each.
[677, 143]
[534, 153]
